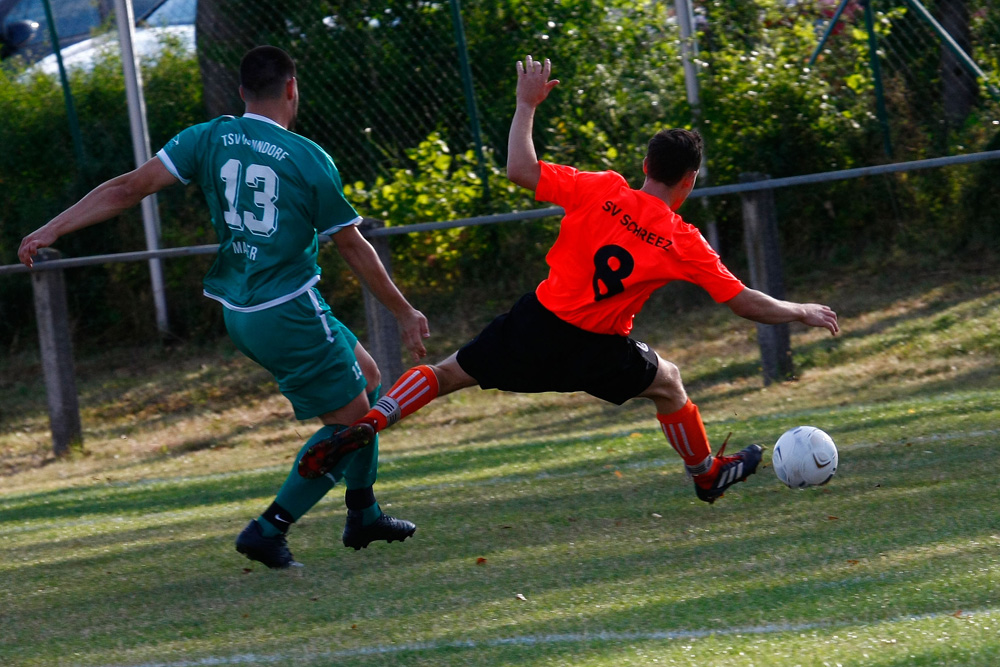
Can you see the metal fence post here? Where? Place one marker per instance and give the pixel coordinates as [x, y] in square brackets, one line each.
[470, 94]
[56, 350]
[383, 331]
[760, 231]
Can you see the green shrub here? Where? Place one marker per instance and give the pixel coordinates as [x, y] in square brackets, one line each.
[41, 176]
[762, 111]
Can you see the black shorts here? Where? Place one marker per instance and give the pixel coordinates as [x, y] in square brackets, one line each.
[531, 350]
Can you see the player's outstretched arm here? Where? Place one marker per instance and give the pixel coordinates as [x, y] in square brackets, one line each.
[533, 86]
[759, 307]
[103, 202]
[364, 262]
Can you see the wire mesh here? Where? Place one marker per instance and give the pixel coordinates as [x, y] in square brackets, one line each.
[375, 78]
[925, 82]
[382, 90]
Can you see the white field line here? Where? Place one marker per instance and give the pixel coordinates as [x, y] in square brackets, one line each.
[542, 640]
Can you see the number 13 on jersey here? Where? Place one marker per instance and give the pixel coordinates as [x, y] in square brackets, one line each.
[263, 183]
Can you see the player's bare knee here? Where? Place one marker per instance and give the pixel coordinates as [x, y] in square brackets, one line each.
[668, 379]
[451, 377]
[667, 390]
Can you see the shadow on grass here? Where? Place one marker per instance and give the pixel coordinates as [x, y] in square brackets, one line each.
[133, 498]
[577, 540]
[585, 548]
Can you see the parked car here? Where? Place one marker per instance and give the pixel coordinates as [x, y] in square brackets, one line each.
[24, 30]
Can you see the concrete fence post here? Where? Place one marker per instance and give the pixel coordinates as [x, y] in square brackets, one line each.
[56, 349]
[760, 231]
[384, 342]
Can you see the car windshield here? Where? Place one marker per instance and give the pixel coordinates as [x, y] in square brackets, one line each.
[173, 12]
[76, 20]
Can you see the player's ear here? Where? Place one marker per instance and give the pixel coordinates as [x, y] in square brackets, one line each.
[291, 86]
[690, 178]
[242, 94]
[645, 165]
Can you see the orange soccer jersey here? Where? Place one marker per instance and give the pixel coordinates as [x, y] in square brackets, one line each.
[615, 247]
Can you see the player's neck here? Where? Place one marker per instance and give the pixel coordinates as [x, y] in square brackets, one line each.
[278, 112]
[671, 196]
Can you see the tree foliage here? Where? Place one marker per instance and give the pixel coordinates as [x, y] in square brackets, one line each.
[381, 92]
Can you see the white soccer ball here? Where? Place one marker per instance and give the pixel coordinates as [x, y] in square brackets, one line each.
[804, 456]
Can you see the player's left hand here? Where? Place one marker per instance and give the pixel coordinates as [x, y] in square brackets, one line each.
[818, 315]
[414, 329]
[30, 244]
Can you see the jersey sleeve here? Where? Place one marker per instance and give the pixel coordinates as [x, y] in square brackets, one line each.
[335, 212]
[704, 268]
[570, 188]
[180, 155]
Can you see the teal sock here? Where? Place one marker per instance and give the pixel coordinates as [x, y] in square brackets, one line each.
[362, 501]
[267, 529]
[370, 515]
[359, 474]
[361, 469]
[298, 494]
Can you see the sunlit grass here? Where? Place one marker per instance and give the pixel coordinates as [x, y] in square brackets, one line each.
[553, 529]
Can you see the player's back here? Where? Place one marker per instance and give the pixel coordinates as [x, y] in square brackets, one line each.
[269, 191]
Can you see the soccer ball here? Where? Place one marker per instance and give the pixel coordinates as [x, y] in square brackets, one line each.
[804, 456]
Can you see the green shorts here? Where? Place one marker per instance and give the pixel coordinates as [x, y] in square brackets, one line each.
[307, 350]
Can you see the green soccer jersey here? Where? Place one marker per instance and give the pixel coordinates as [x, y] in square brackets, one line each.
[270, 192]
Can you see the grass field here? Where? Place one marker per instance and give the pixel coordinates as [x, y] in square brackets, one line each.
[553, 529]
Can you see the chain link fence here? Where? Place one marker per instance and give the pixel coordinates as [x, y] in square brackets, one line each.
[413, 99]
[931, 65]
[378, 78]
[375, 78]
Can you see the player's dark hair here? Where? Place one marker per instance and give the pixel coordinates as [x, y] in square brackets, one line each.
[672, 153]
[264, 71]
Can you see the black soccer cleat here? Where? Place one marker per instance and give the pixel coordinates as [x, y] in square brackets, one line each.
[271, 551]
[325, 454]
[385, 528]
[727, 471]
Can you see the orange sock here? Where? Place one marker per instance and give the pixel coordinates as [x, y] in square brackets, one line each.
[686, 433]
[413, 390]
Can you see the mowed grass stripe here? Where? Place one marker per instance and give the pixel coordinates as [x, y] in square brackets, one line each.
[619, 548]
[889, 628]
[124, 556]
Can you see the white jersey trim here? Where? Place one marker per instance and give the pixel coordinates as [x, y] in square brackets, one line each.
[257, 116]
[336, 228]
[171, 167]
[267, 304]
[330, 336]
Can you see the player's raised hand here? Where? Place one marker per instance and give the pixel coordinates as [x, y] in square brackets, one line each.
[533, 84]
